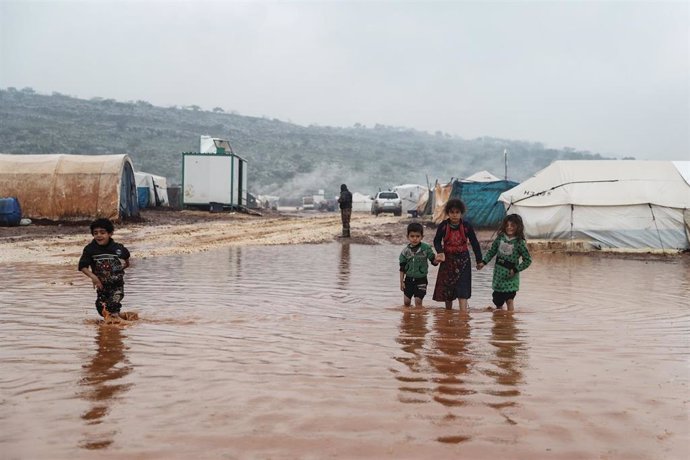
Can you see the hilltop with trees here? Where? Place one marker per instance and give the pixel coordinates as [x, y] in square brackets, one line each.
[284, 158]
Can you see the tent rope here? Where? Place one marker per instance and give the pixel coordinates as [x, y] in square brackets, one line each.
[658, 233]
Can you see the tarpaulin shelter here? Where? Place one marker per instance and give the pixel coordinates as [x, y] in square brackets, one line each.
[152, 190]
[361, 202]
[480, 194]
[70, 187]
[409, 195]
[615, 204]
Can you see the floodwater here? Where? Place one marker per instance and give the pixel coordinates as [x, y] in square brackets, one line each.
[306, 352]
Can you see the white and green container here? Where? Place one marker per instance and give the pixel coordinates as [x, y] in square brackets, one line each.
[219, 178]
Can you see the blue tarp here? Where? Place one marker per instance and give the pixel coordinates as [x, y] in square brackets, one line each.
[10, 212]
[481, 199]
[143, 197]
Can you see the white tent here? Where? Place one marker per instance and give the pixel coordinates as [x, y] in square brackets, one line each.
[481, 176]
[157, 185]
[361, 203]
[615, 204]
[409, 195]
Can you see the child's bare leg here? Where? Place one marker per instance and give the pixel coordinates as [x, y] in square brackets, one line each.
[511, 305]
[407, 301]
[418, 302]
[463, 304]
[449, 304]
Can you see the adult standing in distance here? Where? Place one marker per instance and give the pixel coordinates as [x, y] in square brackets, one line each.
[345, 200]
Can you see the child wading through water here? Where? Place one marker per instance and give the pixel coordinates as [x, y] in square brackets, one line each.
[509, 248]
[414, 265]
[101, 261]
[454, 279]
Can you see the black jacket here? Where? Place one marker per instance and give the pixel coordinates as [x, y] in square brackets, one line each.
[345, 199]
[103, 260]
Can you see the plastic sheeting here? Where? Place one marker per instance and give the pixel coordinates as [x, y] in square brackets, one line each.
[480, 198]
[614, 204]
[409, 195]
[70, 187]
[361, 202]
[157, 186]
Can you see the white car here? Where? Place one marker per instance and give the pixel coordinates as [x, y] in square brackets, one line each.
[387, 202]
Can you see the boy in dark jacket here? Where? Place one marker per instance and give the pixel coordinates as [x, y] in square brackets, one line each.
[102, 261]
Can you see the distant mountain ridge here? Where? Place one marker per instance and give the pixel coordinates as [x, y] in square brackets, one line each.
[284, 159]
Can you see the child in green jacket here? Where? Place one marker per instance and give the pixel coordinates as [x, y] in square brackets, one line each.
[414, 265]
[512, 257]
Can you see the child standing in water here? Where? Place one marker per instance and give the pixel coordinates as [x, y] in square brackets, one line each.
[512, 257]
[454, 279]
[101, 261]
[414, 265]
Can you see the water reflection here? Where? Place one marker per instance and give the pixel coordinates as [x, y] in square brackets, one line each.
[344, 265]
[450, 356]
[235, 262]
[506, 338]
[108, 365]
[412, 335]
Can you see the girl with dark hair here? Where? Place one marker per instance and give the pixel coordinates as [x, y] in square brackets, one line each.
[454, 280]
[512, 257]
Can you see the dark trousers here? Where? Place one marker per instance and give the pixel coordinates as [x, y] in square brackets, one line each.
[345, 215]
[109, 297]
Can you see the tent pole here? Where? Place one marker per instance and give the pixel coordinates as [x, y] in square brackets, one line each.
[661, 243]
[572, 212]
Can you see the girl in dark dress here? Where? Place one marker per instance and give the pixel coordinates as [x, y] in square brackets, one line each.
[454, 280]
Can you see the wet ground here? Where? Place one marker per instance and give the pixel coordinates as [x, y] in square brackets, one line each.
[304, 351]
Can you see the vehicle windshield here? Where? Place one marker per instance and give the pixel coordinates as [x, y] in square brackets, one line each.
[388, 195]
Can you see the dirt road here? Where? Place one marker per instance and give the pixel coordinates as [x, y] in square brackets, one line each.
[177, 232]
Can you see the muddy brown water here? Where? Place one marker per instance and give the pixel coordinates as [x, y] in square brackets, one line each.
[305, 352]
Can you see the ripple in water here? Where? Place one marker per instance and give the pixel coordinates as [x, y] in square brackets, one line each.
[287, 351]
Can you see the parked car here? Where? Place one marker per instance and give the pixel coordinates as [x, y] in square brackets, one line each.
[387, 202]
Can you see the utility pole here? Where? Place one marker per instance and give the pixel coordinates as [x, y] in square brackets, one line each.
[505, 162]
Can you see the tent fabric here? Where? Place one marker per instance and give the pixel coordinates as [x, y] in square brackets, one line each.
[143, 197]
[615, 204]
[409, 195]
[481, 200]
[441, 197]
[424, 203]
[70, 187]
[157, 186]
[361, 202]
[481, 176]
[604, 183]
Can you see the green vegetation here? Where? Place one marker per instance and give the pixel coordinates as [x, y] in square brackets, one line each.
[284, 159]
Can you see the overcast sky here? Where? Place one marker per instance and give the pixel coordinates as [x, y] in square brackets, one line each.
[609, 77]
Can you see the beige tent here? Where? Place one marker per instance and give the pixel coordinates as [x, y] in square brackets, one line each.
[441, 197]
[70, 187]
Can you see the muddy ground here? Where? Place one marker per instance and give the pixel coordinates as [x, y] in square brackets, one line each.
[165, 232]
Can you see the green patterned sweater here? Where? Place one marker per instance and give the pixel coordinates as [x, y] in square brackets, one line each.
[508, 251]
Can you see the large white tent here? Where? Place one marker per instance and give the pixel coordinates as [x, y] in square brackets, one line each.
[614, 204]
